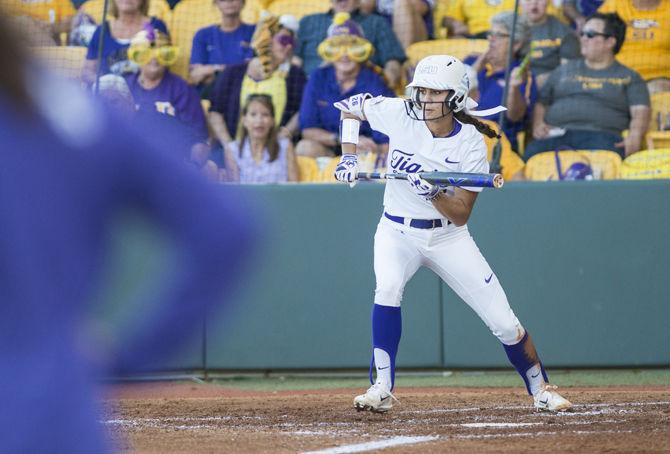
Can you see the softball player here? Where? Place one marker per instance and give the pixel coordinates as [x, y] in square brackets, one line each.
[425, 225]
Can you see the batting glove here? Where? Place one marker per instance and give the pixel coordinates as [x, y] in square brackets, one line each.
[422, 188]
[347, 169]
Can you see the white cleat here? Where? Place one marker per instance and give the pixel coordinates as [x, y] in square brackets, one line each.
[549, 400]
[376, 399]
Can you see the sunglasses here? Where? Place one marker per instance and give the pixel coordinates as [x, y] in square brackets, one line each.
[590, 34]
[285, 40]
[334, 48]
[142, 54]
[497, 35]
[257, 96]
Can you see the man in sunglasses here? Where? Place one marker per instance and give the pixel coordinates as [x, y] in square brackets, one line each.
[389, 53]
[347, 73]
[587, 103]
[157, 90]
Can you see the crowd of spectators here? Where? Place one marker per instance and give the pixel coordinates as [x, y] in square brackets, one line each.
[580, 75]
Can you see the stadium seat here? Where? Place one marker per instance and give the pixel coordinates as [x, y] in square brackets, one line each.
[327, 174]
[251, 10]
[188, 17]
[459, 48]
[606, 164]
[65, 60]
[647, 164]
[298, 8]
[157, 8]
[658, 139]
[660, 111]
[308, 170]
[658, 135]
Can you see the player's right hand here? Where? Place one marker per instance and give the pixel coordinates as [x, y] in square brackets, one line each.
[347, 169]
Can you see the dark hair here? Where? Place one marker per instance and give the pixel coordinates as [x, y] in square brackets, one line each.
[615, 27]
[480, 126]
[13, 76]
[271, 143]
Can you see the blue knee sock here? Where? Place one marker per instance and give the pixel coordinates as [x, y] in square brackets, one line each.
[523, 356]
[386, 330]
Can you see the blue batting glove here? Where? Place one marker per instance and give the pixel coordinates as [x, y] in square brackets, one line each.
[347, 169]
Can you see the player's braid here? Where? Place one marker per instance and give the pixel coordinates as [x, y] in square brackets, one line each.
[481, 127]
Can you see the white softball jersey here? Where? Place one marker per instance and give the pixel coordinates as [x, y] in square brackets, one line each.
[412, 148]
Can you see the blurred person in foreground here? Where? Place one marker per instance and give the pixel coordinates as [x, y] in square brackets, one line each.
[348, 72]
[587, 103]
[487, 86]
[70, 172]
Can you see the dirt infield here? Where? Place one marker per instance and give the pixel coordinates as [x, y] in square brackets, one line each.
[162, 418]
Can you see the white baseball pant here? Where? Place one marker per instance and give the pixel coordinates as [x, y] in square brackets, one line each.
[450, 252]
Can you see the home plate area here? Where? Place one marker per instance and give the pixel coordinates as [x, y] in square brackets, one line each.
[184, 418]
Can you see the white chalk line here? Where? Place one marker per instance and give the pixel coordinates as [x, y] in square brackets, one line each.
[373, 445]
[526, 407]
[345, 428]
[482, 425]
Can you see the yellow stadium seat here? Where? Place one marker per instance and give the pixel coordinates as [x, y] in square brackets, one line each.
[308, 171]
[157, 8]
[251, 10]
[660, 111]
[647, 164]
[298, 8]
[65, 60]
[606, 164]
[327, 174]
[459, 48]
[188, 17]
[658, 139]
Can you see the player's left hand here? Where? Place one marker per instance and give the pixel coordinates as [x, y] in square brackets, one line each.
[347, 169]
[421, 187]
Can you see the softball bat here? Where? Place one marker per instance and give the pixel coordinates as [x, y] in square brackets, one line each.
[480, 180]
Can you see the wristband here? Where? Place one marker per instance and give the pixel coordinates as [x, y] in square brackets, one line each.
[349, 128]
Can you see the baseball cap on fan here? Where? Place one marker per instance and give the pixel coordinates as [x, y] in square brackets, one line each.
[344, 25]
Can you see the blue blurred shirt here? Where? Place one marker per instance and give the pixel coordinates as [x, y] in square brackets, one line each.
[213, 46]
[322, 90]
[68, 173]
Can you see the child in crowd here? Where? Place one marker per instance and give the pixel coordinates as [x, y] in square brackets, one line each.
[259, 156]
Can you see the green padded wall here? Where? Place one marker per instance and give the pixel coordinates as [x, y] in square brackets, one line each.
[584, 265]
[310, 301]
